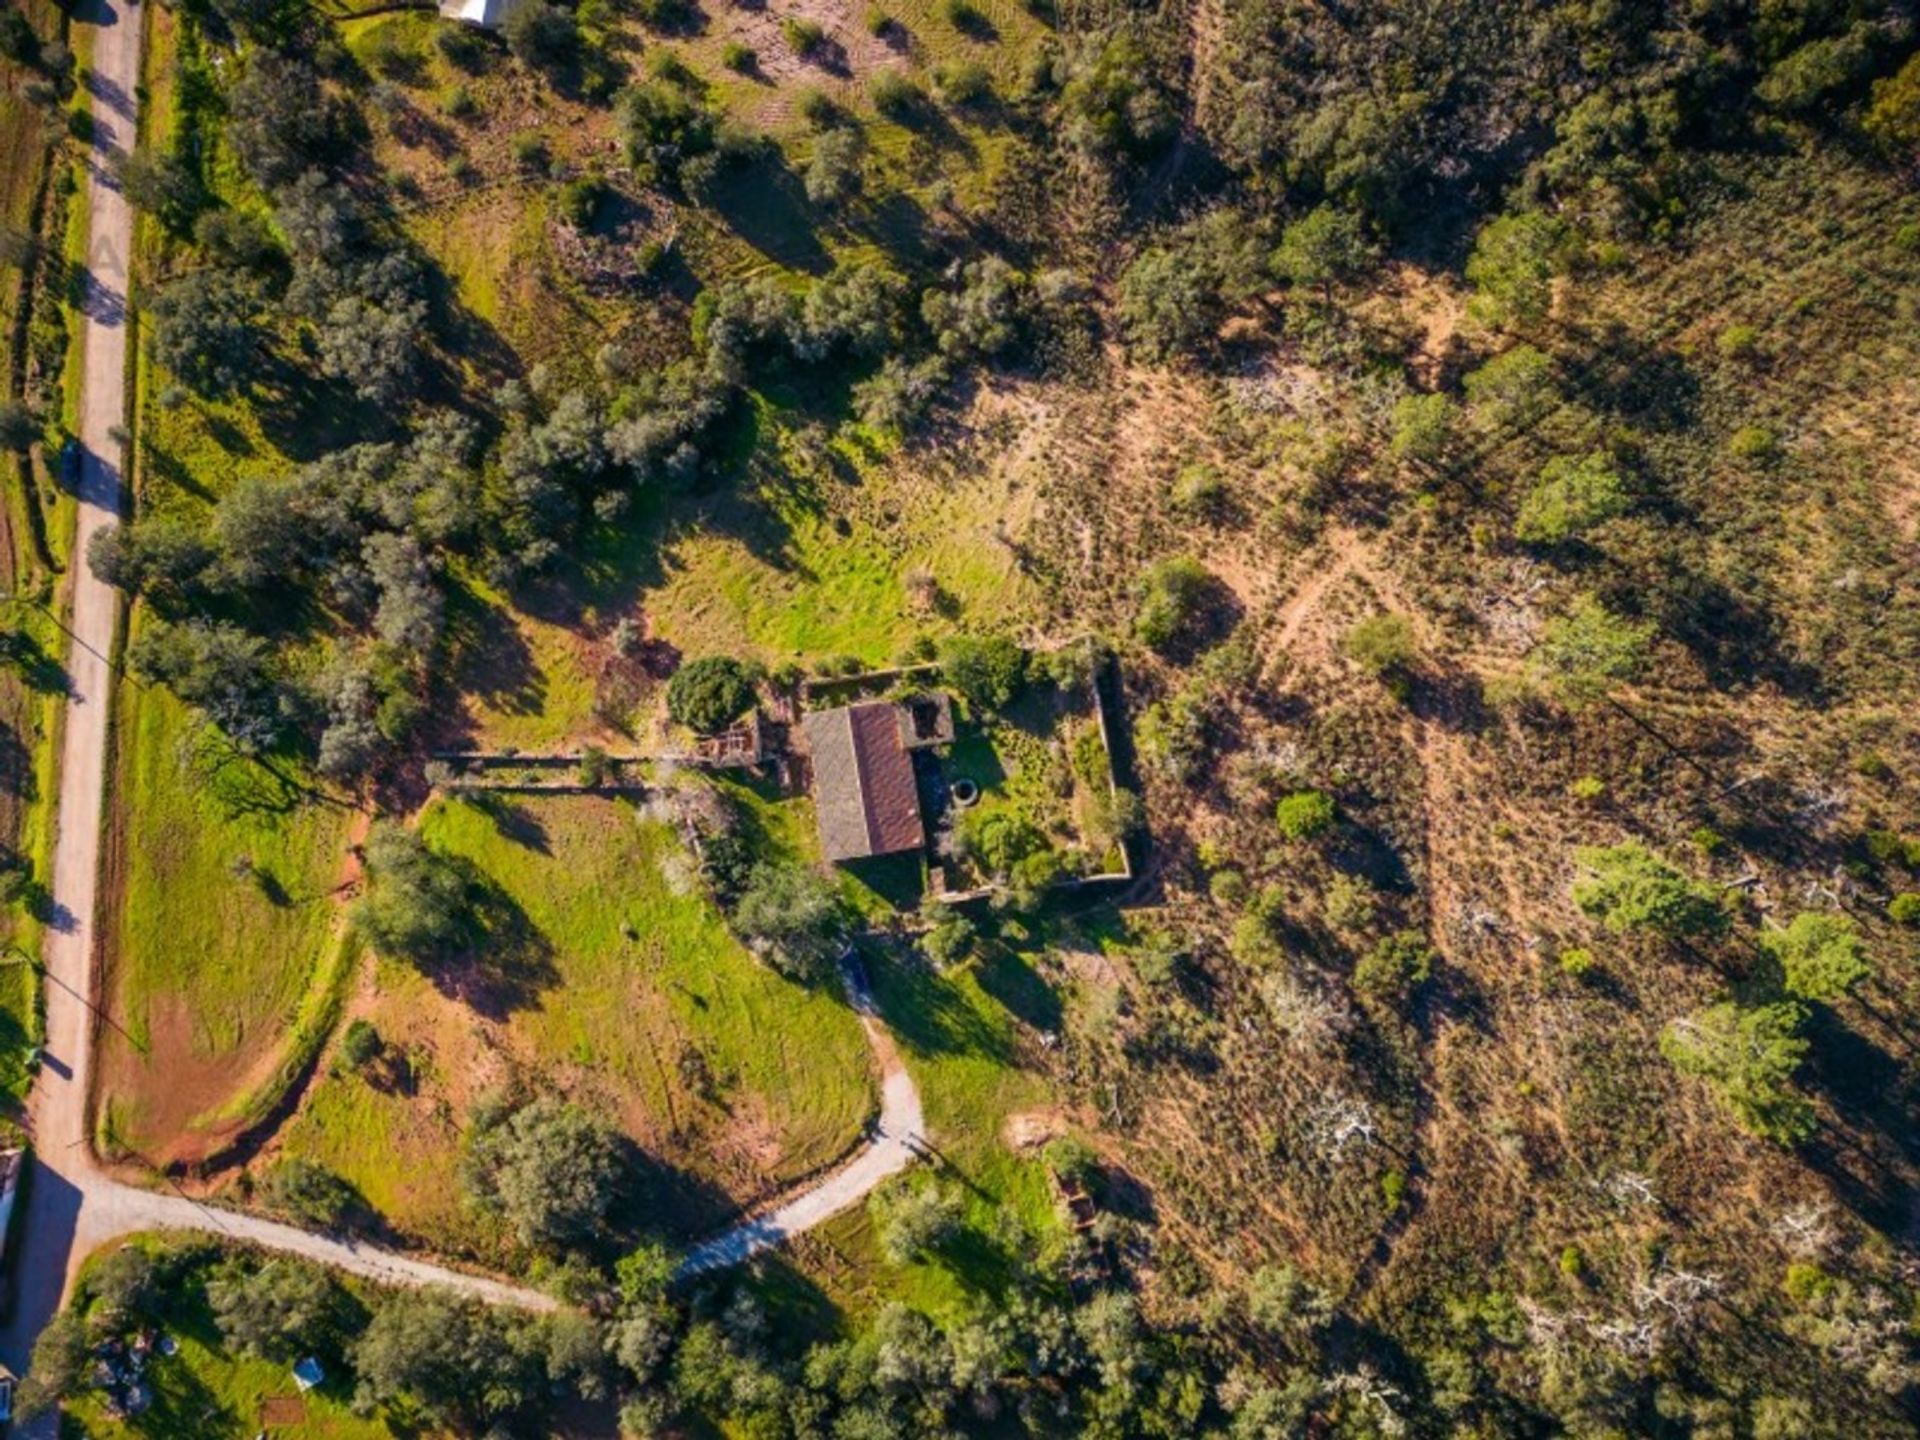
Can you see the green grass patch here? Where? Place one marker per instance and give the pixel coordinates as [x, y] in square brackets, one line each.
[225, 910]
[959, 1038]
[633, 996]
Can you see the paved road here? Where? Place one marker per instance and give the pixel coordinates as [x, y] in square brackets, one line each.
[897, 1144]
[71, 1205]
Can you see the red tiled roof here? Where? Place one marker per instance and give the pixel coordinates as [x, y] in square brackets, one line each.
[863, 787]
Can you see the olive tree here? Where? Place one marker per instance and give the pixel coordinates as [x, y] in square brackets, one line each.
[549, 1169]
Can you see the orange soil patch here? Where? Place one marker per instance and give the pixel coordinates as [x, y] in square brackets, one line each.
[1030, 1129]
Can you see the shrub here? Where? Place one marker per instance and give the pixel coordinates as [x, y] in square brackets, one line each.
[951, 937]
[1738, 342]
[310, 1193]
[709, 694]
[988, 671]
[541, 35]
[1381, 644]
[1577, 962]
[460, 44]
[878, 21]
[1393, 1188]
[1514, 388]
[1228, 888]
[530, 150]
[1073, 1160]
[803, 36]
[666, 64]
[1349, 903]
[360, 1043]
[1627, 887]
[966, 82]
[738, 57]
[1395, 965]
[1587, 788]
[1423, 427]
[1171, 597]
[580, 201]
[1304, 814]
[1572, 496]
[1199, 491]
[1904, 908]
[914, 1220]
[895, 96]
[792, 917]
[1752, 442]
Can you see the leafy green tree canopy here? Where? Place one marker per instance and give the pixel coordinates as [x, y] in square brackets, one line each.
[1574, 494]
[416, 901]
[709, 694]
[1749, 1056]
[549, 1169]
[1627, 887]
[1820, 955]
[1304, 814]
[793, 917]
[1584, 653]
[986, 670]
[1512, 267]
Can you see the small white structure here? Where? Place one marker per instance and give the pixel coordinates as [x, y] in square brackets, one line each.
[491, 14]
[308, 1374]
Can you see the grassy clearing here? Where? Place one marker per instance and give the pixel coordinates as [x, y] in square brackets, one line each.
[811, 555]
[630, 994]
[225, 909]
[808, 556]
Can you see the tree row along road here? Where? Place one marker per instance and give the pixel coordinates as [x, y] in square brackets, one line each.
[72, 1205]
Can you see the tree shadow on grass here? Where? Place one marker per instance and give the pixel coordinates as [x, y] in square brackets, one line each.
[237, 782]
[928, 1014]
[39, 671]
[799, 1314]
[305, 416]
[489, 657]
[504, 963]
[663, 1201]
[1873, 1159]
[17, 777]
[1009, 979]
[766, 206]
[512, 820]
